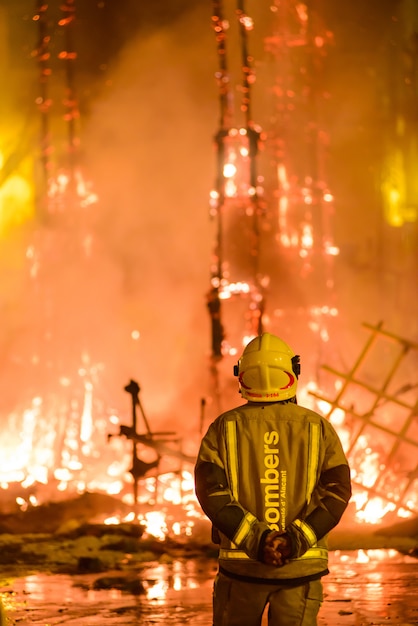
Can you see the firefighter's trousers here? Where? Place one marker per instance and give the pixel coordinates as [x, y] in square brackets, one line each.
[237, 603]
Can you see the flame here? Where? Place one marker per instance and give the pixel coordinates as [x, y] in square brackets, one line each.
[366, 467]
[16, 199]
[156, 524]
[29, 456]
[374, 510]
[83, 459]
[60, 185]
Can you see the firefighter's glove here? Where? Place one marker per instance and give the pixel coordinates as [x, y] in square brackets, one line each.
[276, 549]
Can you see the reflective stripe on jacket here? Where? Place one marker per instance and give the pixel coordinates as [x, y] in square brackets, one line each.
[275, 466]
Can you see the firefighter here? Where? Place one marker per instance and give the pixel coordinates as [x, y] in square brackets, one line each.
[273, 479]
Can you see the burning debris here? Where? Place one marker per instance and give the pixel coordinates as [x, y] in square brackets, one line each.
[381, 451]
[375, 412]
[157, 441]
[160, 489]
[55, 516]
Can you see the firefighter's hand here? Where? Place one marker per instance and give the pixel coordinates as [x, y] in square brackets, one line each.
[277, 548]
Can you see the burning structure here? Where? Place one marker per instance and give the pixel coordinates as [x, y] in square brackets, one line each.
[275, 252]
[277, 212]
[272, 202]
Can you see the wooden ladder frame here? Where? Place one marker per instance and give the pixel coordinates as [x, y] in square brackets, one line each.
[394, 485]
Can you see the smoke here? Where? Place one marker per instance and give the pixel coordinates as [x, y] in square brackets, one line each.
[147, 148]
[116, 290]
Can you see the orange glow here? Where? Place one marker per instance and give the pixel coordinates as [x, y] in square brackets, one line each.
[60, 434]
[32, 456]
[229, 170]
[307, 236]
[16, 202]
[229, 289]
[67, 55]
[247, 22]
[379, 466]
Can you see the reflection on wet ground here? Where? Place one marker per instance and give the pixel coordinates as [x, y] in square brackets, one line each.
[364, 588]
[370, 587]
[167, 594]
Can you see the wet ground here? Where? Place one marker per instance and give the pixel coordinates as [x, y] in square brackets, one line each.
[371, 587]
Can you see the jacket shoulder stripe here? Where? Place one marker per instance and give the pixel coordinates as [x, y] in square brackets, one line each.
[232, 452]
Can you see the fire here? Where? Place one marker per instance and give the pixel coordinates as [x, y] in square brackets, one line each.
[65, 442]
[373, 427]
[375, 510]
[31, 461]
[156, 524]
[60, 186]
[16, 199]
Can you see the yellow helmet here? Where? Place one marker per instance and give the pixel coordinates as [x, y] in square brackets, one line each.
[267, 370]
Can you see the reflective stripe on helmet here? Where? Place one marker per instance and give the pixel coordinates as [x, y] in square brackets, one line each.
[267, 370]
[289, 384]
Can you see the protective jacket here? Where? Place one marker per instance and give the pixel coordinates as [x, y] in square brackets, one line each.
[274, 466]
